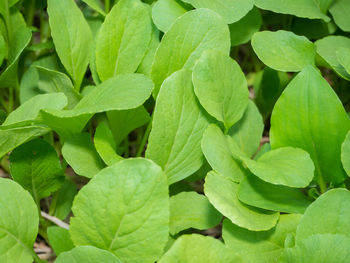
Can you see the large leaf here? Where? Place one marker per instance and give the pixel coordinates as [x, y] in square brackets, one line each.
[72, 37]
[59, 239]
[261, 246]
[177, 128]
[19, 222]
[301, 8]
[283, 50]
[222, 193]
[123, 39]
[255, 192]
[192, 210]
[37, 168]
[310, 116]
[185, 41]
[230, 10]
[124, 209]
[340, 10]
[220, 86]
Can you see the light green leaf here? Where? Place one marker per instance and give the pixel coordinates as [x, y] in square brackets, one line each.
[343, 56]
[243, 30]
[59, 239]
[327, 48]
[37, 168]
[329, 214]
[222, 193]
[19, 222]
[319, 249]
[62, 200]
[230, 10]
[261, 246]
[283, 50]
[287, 166]
[123, 39]
[192, 210]
[340, 10]
[165, 12]
[185, 41]
[122, 122]
[324, 5]
[177, 128]
[345, 154]
[255, 192]
[247, 132]
[105, 144]
[97, 5]
[87, 254]
[197, 248]
[72, 37]
[81, 155]
[309, 115]
[220, 86]
[217, 152]
[301, 8]
[124, 209]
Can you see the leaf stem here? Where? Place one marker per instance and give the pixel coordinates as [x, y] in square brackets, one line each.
[107, 6]
[36, 257]
[144, 138]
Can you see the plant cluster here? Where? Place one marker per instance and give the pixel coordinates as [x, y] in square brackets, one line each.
[175, 131]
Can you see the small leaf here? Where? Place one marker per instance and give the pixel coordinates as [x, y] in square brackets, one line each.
[192, 210]
[340, 10]
[63, 199]
[96, 4]
[59, 239]
[283, 50]
[343, 56]
[124, 209]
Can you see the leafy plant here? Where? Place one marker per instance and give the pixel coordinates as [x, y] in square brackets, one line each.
[174, 131]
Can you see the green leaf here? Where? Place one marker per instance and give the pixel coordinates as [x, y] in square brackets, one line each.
[217, 152]
[192, 210]
[29, 110]
[197, 248]
[327, 48]
[177, 128]
[59, 239]
[72, 37]
[3, 49]
[343, 56]
[220, 86]
[105, 144]
[261, 246]
[123, 39]
[345, 154]
[87, 254]
[283, 50]
[329, 214]
[301, 8]
[243, 30]
[185, 41]
[255, 192]
[6, 4]
[340, 10]
[124, 209]
[165, 12]
[230, 10]
[81, 155]
[287, 166]
[247, 132]
[63, 199]
[222, 193]
[19, 222]
[319, 249]
[37, 168]
[97, 5]
[122, 122]
[309, 115]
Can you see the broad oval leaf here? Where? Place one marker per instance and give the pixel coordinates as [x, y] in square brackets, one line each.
[87, 254]
[222, 193]
[340, 10]
[309, 115]
[220, 87]
[124, 209]
[185, 41]
[230, 10]
[192, 210]
[123, 39]
[283, 50]
[177, 128]
[72, 37]
[37, 168]
[19, 222]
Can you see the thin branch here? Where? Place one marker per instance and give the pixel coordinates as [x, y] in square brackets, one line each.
[55, 220]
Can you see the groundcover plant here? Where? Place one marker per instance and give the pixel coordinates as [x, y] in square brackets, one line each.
[199, 131]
